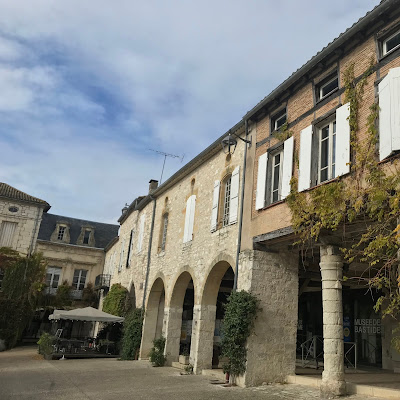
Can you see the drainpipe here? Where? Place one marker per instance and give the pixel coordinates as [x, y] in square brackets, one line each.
[241, 210]
[149, 251]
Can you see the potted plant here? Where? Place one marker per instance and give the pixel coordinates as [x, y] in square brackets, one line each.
[184, 357]
[46, 342]
[156, 355]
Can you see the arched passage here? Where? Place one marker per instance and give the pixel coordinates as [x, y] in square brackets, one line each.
[154, 317]
[209, 314]
[180, 317]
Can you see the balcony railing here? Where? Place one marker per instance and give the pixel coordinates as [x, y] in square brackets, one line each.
[102, 281]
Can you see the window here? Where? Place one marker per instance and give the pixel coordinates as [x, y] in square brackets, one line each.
[278, 120]
[164, 231]
[227, 200]
[130, 249]
[86, 236]
[277, 163]
[7, 230]
[327, 151]
[53, 277]
[189, 218]
[391, 43]
[78, 283]
[327, 86]
[61, 232]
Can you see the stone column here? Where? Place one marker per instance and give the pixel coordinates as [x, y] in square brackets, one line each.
[201, 350]
[331, 264]
[173, 317]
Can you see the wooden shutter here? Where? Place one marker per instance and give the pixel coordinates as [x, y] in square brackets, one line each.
[121, 255]
[385, 134]
[128, 258]
[389, 116]
[287, 168]
[141, 232]
[234, 197]
[261, 181]
[305, 158]
[215, 204]
[7, 230]
[342, 151]
[189, 219]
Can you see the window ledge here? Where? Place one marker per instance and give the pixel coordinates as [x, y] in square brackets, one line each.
[328, 97]
[389, 53]
[272, 205]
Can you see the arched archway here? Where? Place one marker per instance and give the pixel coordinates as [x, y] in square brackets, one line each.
[180, 317]
[209, 314]
[154, 317]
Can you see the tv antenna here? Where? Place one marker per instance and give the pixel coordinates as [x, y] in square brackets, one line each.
[165, 157]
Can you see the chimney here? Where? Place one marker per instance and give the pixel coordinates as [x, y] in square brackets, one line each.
[125, 209]
[153, 185]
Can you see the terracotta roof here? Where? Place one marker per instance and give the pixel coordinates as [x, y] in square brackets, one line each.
[12, 193]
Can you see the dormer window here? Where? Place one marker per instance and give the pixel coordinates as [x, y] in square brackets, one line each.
[61, 232]
[86, 236]
[327, 86]
[278, 120]
[391, 43]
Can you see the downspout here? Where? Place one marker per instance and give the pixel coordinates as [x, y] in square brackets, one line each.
[149, 252]
[241, 211]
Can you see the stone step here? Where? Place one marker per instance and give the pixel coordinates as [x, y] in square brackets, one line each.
[176, 364]
[214, 373]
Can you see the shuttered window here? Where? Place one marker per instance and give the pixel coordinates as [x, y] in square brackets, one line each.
[215, 205]
[7, 230]
[121, 256]
[389, 115]
[141, 232]
[261, 181]
[189, 219]
[234, 196]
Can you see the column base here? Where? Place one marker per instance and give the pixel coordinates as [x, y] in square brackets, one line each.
[332, 389]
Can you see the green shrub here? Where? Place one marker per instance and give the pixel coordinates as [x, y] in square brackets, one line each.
[156, 355]
[240, 314]
[132, 334]
[117, 301]
[46, 343]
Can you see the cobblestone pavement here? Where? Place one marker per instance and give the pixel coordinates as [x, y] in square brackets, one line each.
[24, 375]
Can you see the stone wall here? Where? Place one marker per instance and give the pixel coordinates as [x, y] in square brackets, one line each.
[271, 348]
[28, 218]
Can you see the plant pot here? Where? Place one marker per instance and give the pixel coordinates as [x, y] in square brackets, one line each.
[184, 360]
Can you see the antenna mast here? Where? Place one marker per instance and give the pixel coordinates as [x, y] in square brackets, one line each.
[165, 157]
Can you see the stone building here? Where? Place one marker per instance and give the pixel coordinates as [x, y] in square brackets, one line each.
[178, 246]
[307, 303]
[20, 218]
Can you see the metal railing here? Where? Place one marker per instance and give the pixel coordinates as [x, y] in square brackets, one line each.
[310, 352]
[102, 281]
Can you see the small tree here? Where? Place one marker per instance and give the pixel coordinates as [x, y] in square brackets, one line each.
[156, 355]
[132, 334]
[240, 314]
[117, 301]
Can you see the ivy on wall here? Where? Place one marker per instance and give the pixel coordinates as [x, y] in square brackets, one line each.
[117, 301]
[132, 334]
[369, 196]
[240, 314]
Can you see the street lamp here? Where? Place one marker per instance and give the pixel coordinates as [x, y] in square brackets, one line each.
[229, 143]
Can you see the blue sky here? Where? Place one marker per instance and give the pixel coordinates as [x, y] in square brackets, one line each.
[88, 87]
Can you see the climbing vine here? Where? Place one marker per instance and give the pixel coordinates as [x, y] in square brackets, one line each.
[132, 334]
[369, 196]
[283, 133]
[240, 314]
[117, 301]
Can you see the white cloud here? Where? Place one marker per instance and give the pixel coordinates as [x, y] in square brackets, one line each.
[89, 86]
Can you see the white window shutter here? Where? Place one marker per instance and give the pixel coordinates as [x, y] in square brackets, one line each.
[121, 255]
[287, 168]
[214, 212]
[261, 181]
[234, 197]
[7, 230]
[342, 151]
[189, 219]
[305, 158]
[395, 107]
[141, 232]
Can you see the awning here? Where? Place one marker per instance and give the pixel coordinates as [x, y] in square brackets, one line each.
[85, 314]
